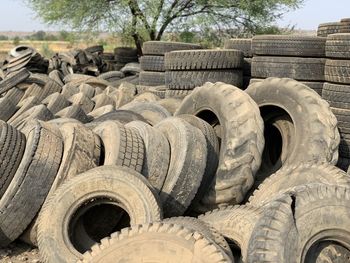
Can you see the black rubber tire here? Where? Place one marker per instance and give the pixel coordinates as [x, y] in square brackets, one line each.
[151, 78]
[297, 175]
[237, 122]
[153, 113]
[188, 156]
[82, 101]
[177, 93]
[15, 78]
[236, 224]
[188, 80]
[7, 109]
[337, 46]
[161, 47]
[300, 220]
[300, 119]
[245, 45]
[27, 105]
[337, 71]
[120, 145]
[14, 95]
[170, 104]
[247, 67]
[157, 153]
[308, 69]
[126, 190]
[289, 46]
[57, 76]
[56, 102]
[158, 242]
[12, 146]
[212, 161]
[95, 49]
[32, 180]
[337, 95]
[87, 90]
[152, 63]
[74, 112]
[204, 59]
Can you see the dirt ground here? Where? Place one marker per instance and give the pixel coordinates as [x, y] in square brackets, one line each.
[19, 252]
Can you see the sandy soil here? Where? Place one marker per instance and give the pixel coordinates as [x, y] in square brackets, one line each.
[19, 252]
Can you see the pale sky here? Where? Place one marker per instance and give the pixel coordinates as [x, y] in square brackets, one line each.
[16, 16]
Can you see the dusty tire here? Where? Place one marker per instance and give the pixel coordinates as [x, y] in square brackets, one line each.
[170, 104]
[74, 112]
[190, 79]
[151, 78]
[153, 113]
[32, 180]
[229, 109]
[289, 46]
[299, 125]
[7, 109]
[102, 100]
[245, 45]
[101, 111]
[56, 102]
[159, 48]
[177, 93]
[308, 69]
[297, 175]
[82, 101]
[337, 95]
[337, 71]
[337, 46]
[300, 220]
[157, 153]
[122, 116]
[204, 59]
[120, 145]
[87, 90]
[188, 156]
[101, 193]
[172, 242]
[152, 63]
[27, 105]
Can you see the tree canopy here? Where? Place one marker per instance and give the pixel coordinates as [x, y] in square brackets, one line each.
[150, 19]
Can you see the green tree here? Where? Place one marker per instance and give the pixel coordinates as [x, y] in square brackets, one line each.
[150, 19]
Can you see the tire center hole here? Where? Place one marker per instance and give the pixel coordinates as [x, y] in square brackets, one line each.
[94, 221]
[327, 251]
[213, 120]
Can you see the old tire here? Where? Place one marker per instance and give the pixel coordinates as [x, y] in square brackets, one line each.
[159, 48]
[337, 71]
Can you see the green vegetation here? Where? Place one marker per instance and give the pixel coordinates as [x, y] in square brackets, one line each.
[141, 20]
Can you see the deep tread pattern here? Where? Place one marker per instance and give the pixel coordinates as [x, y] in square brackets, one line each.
[326, 29]
[177, 93]
[188, 80]
[338, 46]
[337, 71]
[337, 95]
[161, 47]
[151, 78]
[204, 59]
[209, 252]
[286, 45]
[15, 78]
[245, 45]
[152, 63]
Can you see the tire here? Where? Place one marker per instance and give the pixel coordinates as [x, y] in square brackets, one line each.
[153, 113]
[95, 49]
[337, 71]
[56, 102]
[39, 112]
[69, 90]
[12, 146]
[247, 67]
[102, 100]
[152, 63]
[171, 242]
[299, 125]
[188, 155]
[101, 111]
[122, 116]
[32, 180]
[57, 76]
[152, 78]
[112, 76]
[82, 101]
[204, 59]
[170, 104]
[157, 153]
[289, 46]
[337, 46]
[229, 109]
[159, 91]
[159, 48]
[343, 163]
[188, 80]
[27, 105]
[202, 228]
[146, 97]
[74, 112]
[297, 175]
[34, 90]
[7, 109]
[236, 224]
[132, 68]
[14, 95]
[15, 78]
[301, 220]
[327, 29]
[120, 145]
[88, 197]
[177, 93]
[87, 90]
[308, 69]
[212, 161]
[337, 95]
[125, 94]
[245, 45]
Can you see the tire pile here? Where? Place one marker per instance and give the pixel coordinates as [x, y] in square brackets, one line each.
[98, 169]
[326, 29]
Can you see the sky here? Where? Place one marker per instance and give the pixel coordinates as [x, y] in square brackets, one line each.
[16, 16]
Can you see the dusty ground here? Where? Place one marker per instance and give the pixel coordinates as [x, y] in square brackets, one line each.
[19, 252]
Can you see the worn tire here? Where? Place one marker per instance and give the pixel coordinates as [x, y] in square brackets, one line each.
[82, 101]
[177, 93]
[151, 78]
[107, 186]
[122, 116]
[204, 59]
[56, 102]
[308, 69]
[170, 104]
[152, 63]
[337, 95]
[102, 100]
[32, 180]
[245, 45]
[289, 46]
[337, 46]
[337, 71]
[159, 48]
[236, 119]
[188, 80]
[188, 156]
[120, 145]
[299, 124]
[74, 112]
[157, 153]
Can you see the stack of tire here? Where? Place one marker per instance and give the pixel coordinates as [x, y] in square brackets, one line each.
[296, 57]
[152, 61]
[188, 69]
[121, 56]
[326, 29]
[245, 45]
[337, 89]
